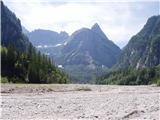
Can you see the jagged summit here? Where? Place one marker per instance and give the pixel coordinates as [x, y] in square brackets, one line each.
[88, 52]
[85, 44]
[96, 28]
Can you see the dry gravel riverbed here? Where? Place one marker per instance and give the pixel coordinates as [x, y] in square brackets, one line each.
[72, 102]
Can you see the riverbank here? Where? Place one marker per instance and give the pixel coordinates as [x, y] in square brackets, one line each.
[21, 101]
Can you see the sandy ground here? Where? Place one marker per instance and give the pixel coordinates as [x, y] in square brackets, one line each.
[86, 102]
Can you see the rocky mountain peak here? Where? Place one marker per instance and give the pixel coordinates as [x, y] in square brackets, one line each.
[96, 28]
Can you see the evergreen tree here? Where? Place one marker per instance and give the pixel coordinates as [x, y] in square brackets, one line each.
[30, 66]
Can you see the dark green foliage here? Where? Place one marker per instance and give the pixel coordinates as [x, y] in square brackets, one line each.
[3, 80]
[29, 67]
[158, 82]
[132, 77]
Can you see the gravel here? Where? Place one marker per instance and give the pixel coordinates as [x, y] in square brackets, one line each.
[84, 102]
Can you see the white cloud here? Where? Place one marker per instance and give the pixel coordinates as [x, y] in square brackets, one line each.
[119, 20]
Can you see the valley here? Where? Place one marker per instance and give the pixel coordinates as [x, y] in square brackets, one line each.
[73, 67]
[87, 56]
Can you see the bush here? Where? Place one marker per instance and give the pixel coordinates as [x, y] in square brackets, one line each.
[158, 82]
[83, 89]
[4, 80]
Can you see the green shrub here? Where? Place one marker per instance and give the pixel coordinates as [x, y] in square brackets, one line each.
[158, 82]
[4, 80]
[83, 89]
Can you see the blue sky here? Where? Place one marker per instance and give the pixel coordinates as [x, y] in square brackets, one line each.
[119, 20]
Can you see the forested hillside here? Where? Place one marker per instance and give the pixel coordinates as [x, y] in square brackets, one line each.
[143, 49]
[20, 61]
[140, 59]
[144, 76]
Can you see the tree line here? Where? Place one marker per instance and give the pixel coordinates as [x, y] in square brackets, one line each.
[29, 66]
[130, 76]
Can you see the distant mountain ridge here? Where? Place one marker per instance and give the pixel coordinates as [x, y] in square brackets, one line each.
[143, 50]
[47, 37]
[88, 54]
[87, 49]
[48, 42]
[62, 43]
[90, 46]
